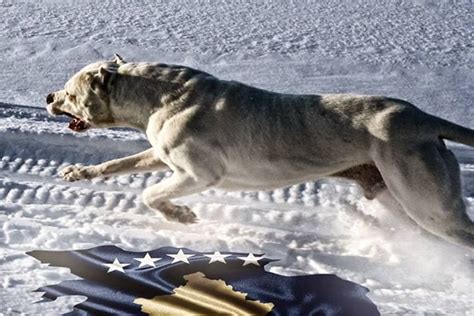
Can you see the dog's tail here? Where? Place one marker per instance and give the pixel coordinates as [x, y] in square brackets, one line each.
[455, 133]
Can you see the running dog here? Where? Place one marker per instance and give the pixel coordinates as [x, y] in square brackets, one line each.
[222, 134]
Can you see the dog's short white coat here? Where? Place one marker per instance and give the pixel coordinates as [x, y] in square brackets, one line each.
[225, 134]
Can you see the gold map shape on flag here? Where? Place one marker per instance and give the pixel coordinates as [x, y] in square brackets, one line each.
[203, 296]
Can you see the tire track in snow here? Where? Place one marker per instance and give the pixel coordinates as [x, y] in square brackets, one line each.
[40, 171]
[31, 190]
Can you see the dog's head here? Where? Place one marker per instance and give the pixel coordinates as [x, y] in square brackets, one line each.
[85, 97]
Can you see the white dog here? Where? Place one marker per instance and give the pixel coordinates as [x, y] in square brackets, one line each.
[227, 135]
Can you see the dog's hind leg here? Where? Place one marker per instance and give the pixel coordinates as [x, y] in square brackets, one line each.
[368, 177]
[425, 179]
[464, 231]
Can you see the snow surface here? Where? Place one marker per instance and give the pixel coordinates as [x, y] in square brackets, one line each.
[420, 51]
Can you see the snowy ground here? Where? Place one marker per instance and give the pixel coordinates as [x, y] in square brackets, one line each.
[420, 51]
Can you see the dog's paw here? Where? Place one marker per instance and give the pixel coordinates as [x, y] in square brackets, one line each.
[75, 173]
[172, 212]
[184, 215]
[181, 214]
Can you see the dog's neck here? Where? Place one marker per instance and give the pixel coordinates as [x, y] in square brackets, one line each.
[134, 99]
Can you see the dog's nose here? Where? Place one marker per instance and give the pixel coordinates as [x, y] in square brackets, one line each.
[50, 98]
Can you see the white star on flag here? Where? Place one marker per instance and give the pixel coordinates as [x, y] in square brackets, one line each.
[180, 257]
[116, 266]
[147, 261]
[251, 259]
[217, 257]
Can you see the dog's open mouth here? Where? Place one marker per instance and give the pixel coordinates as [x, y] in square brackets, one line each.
[76, 124]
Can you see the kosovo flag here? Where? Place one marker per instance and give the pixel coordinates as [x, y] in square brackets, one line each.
[179, 281]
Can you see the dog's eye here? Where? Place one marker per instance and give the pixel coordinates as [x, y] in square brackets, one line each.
[71, 97]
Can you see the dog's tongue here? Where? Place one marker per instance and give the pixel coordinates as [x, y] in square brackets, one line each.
[78, 125]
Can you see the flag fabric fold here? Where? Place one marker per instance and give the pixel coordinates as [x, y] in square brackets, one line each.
[179, 281]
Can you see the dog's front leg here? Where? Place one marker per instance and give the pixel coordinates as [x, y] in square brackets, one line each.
[142, 162]
[179, 184]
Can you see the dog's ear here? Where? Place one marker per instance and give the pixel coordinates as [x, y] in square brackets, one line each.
[104, 76]
[118, 60]
[102, 79]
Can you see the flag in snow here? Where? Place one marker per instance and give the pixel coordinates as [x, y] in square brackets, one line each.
[173, 281]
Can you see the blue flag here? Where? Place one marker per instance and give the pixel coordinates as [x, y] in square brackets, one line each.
[179, 281]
